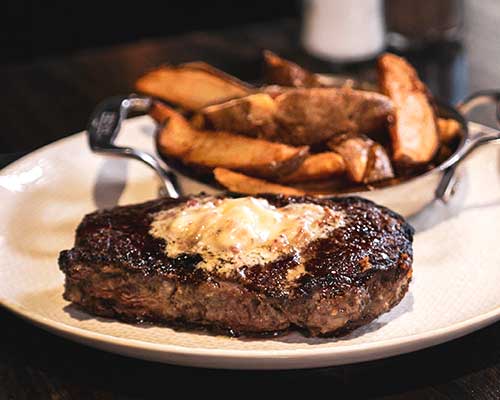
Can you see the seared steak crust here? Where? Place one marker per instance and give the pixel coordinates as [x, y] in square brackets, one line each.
[117, 269]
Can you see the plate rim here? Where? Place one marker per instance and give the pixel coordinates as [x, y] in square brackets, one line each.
[359, 351]
[461, 328]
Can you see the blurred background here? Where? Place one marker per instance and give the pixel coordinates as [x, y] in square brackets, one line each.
[97, 49]
[32, 29]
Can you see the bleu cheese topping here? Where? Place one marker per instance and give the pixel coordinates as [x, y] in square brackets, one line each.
[231, 233]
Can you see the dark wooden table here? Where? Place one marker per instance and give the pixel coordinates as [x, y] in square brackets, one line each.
[49, 99]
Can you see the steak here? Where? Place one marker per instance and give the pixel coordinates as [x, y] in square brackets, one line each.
[359, 270]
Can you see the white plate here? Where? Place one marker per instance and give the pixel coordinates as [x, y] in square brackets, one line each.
[44, 196]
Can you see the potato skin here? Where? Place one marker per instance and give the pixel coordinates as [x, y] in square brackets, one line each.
[413, 130]
[240, 183]
[366, 161]
[449, 129]
[282, 72]
[204, 150]
[318, 166]
[355, 150]
[379, 165]
[309, 116]
[265, 132]
[252, 115]
[302, 116]
[191, 86]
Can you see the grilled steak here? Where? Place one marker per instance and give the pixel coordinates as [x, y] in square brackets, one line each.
[354, 265]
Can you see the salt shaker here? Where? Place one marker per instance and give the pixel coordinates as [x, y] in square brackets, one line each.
[343, 30]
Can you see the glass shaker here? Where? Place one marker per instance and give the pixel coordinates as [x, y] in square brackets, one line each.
[343, 31]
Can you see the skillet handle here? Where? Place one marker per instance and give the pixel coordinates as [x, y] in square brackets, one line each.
[104, 126]
[480, 98]
[479, 135]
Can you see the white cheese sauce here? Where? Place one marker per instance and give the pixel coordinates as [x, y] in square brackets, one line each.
[231, 233]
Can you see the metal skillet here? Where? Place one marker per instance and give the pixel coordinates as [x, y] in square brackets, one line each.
[406, 197]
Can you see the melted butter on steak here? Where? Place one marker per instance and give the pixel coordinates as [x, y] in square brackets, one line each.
[231, 233]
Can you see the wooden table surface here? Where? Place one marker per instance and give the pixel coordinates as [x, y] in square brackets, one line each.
[46, 100]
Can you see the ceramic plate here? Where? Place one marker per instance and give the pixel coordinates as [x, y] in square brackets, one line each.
[45, 194]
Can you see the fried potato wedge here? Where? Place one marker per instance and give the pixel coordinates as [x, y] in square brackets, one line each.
[209, 149]
[379, 165]
[251, 115]
[317, 167]
[239, 183]
[278, 71]
[197, 121]
[191, 86]
[443, 154]
[355, 150]
[414, 132]
[365, 161]
[282, 73]
[273, 90]
[302, 116]
[449, 129]
[308, 116]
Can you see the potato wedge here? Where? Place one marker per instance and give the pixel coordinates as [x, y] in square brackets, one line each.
[278, 71]
[191, 86]
[379, 165]
[333, 185]
[355, 150]
[273, 90]
[282, 73]
[317, 167]
[308, 116]
[443, 154]
[239, 183]
[251, 115]
[302, 116]
[209, 149]
[197, 121]
[161, 113]
[449, 129]
[365, 161]
[414, 132]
